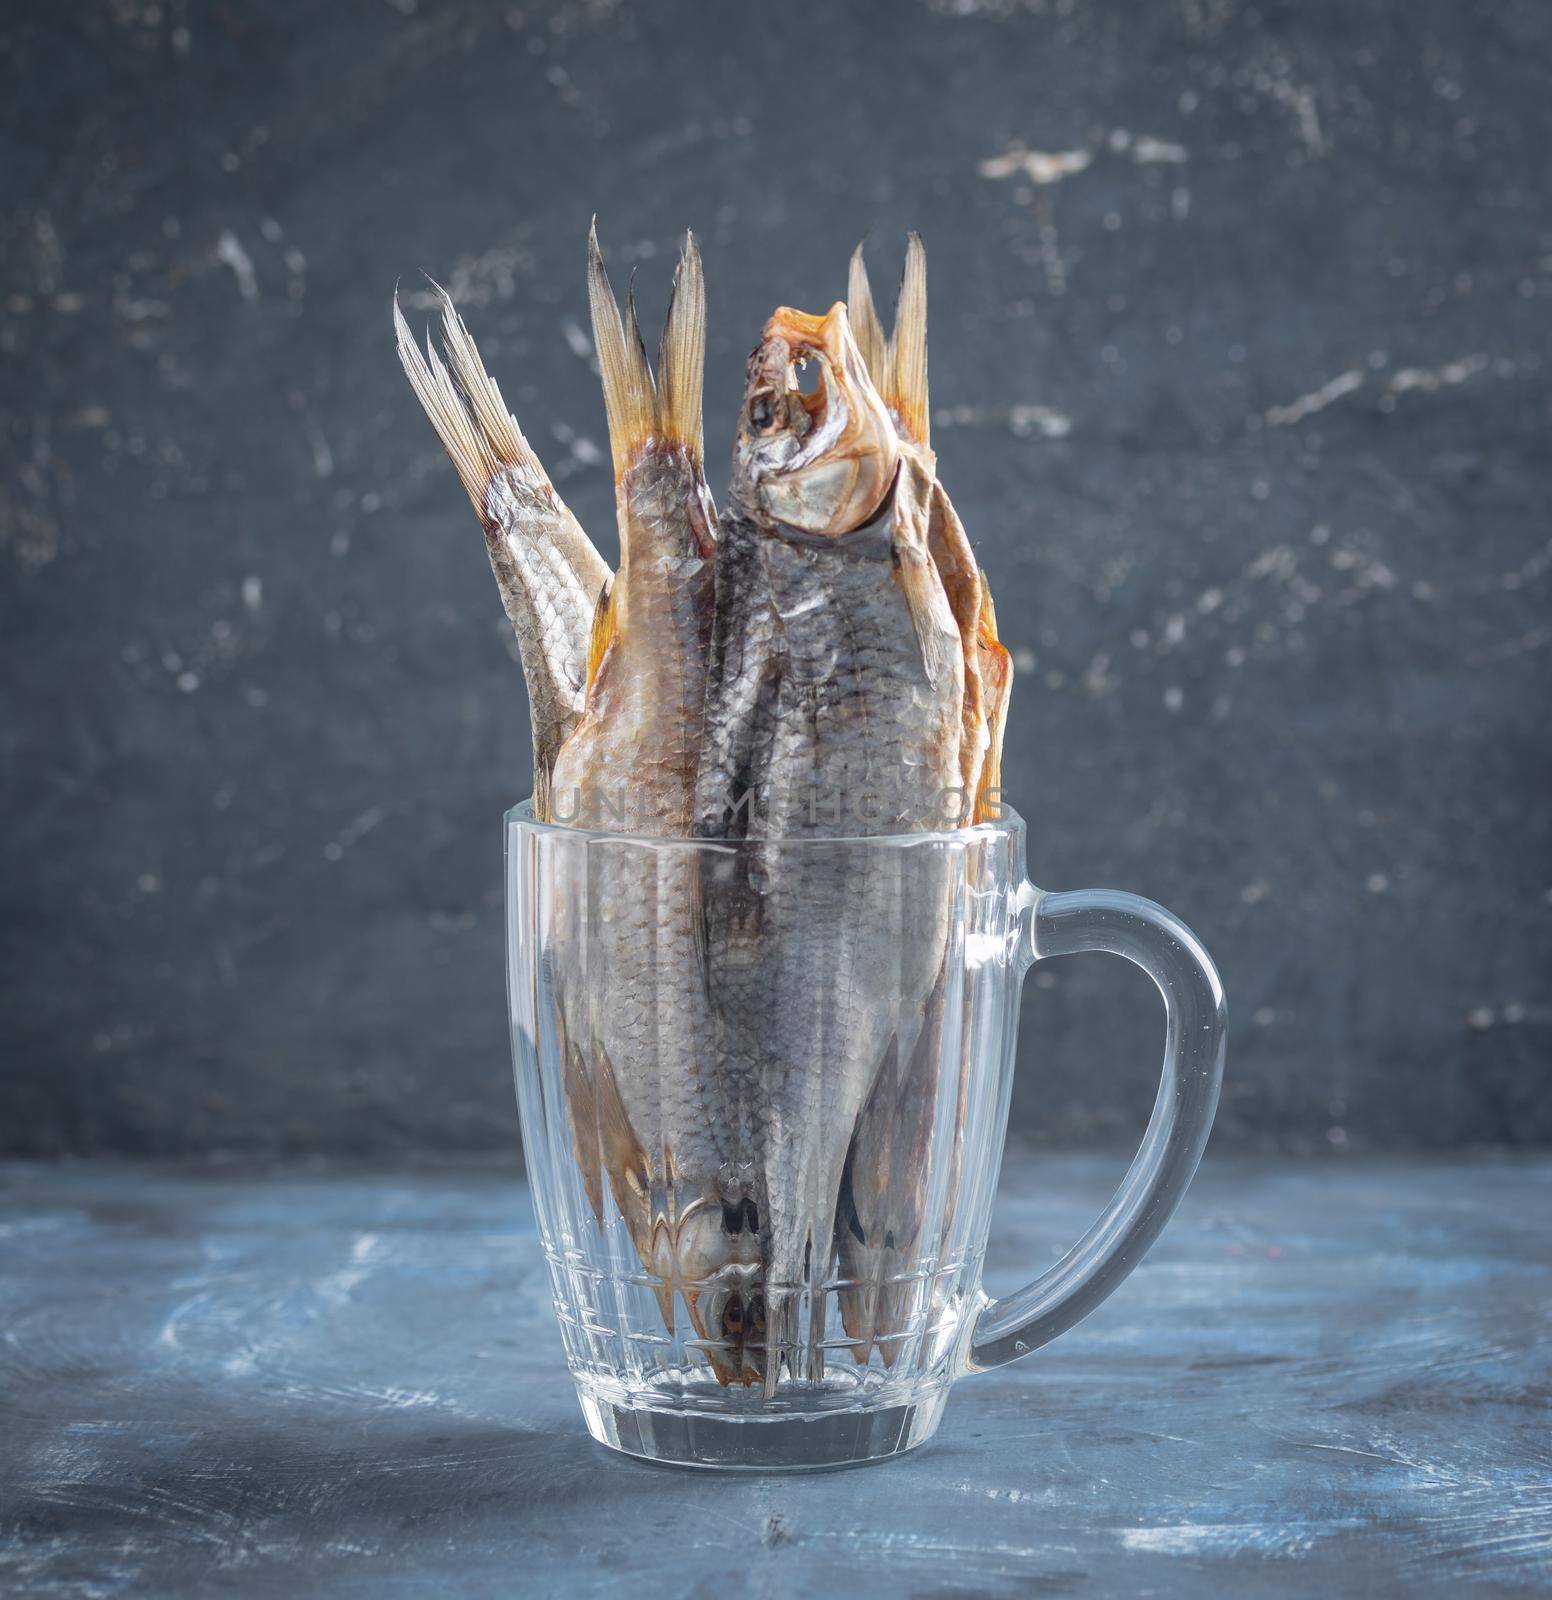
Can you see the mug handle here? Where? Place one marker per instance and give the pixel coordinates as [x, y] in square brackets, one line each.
[1195, 1019]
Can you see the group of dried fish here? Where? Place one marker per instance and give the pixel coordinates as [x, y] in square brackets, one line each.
[751, 1056]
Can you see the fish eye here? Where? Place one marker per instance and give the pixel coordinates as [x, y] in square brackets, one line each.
[762, 413]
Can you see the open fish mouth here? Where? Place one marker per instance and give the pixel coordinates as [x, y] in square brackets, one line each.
[819, 460]
[802, 339]
[712, 1258]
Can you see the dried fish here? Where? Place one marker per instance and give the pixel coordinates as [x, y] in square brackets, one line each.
[860, 684]
[877, 1237]
[752, 1062]
[546, 568]
[899, 366]
[638, 1020]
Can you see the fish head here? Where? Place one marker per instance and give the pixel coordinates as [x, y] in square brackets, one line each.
[821, 462]
[717, 1268]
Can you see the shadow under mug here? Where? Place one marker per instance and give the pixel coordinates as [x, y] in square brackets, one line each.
[764, 1091]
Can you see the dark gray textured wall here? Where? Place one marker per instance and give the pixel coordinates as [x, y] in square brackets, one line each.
[1242, 388]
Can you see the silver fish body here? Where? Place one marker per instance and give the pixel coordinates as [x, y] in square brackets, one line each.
[821, 953]
[639, 1017]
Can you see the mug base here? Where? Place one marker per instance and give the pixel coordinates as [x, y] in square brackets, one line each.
[790, 1441]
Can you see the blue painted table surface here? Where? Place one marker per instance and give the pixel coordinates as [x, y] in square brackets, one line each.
[1326, 1379]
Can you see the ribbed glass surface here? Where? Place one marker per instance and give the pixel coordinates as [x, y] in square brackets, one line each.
[763, 1091]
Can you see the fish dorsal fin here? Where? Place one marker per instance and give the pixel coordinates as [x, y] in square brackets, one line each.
[640, 409]
[628, 393]
[898, 364]
[603, 632]
[988, 608]
[681, 361]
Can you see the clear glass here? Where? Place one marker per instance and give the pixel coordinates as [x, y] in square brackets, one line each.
[646, 1014]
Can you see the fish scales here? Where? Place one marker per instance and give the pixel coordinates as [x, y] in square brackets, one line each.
[854, 936]
[548, 592]
[643, 1015]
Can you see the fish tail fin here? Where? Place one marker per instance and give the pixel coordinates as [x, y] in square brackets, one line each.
[897, 364]
[666, 409]
[681, 359]
[629, 397]
[497, 425]
[905, 387]
[444, 405]
[865, 326]
[464, 406]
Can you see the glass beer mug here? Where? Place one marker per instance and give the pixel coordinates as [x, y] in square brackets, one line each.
[764, 1090]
